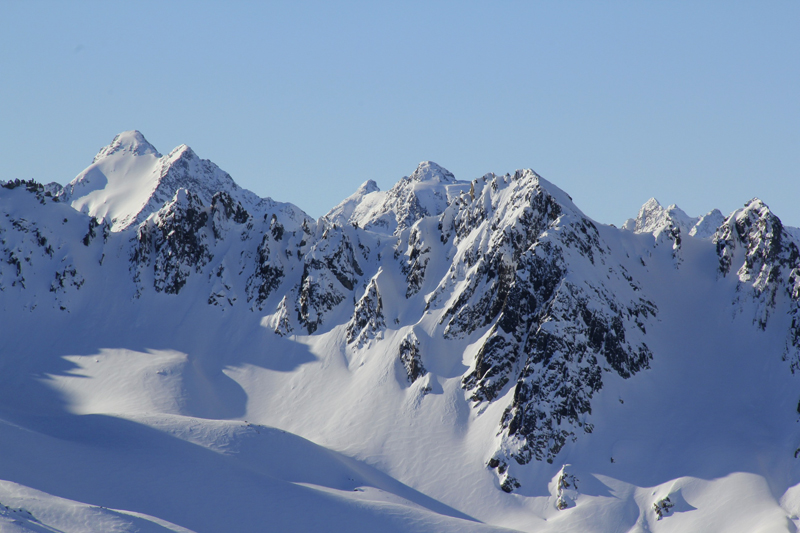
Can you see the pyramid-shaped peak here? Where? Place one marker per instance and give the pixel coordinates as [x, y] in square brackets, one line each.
[653, 207]
[757, 205]
[430, 171]
[182, 151]
[753, 210]
[652, 203]
[344, 212]
[654, 218]
[131, 141]
[368, 187]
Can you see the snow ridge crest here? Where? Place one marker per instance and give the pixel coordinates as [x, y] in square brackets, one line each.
[130, 180]
[128, 141]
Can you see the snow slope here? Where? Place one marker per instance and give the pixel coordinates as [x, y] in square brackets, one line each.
[444, 356]
[129, 180]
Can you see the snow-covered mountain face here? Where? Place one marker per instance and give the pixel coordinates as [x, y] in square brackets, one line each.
[129, 180]
[445, 355]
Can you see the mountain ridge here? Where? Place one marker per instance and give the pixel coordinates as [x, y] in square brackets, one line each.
[493, 309]
[129, 180]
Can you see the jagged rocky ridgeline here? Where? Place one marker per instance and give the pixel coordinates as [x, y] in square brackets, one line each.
[506, 265]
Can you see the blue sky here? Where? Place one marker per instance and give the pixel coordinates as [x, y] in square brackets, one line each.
[695, 103]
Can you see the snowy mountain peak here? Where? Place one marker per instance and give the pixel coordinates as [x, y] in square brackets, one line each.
[426, 192]
[129, 180]
[754, 207]
[430, 171]
[707, 224]
[128, 141]
[651, 205]
[653, 218]
[343, 213]
[368, 187]
[182, 151]
[559, 195]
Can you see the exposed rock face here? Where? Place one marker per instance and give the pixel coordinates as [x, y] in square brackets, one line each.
[518, 259]
[411, 358]
[566, 489]
[754, 240]
[105, 230]
[174, 242]
[663, 507]
[281, 322]
[531, 265]
[415, 262]
[224, 209]
[330, 272]
[368, 320]
[269, 270]
[29, 244]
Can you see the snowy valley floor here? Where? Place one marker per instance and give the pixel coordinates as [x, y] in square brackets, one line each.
[197, 433]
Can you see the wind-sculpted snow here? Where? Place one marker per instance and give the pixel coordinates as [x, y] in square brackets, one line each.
[566, 489]
[465, 338]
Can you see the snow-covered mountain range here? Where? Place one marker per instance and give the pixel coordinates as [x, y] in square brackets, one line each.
[179, 354]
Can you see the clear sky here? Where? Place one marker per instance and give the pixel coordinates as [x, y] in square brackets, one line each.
[694, 103]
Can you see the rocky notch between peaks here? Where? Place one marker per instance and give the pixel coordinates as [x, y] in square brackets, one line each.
[545, 304]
